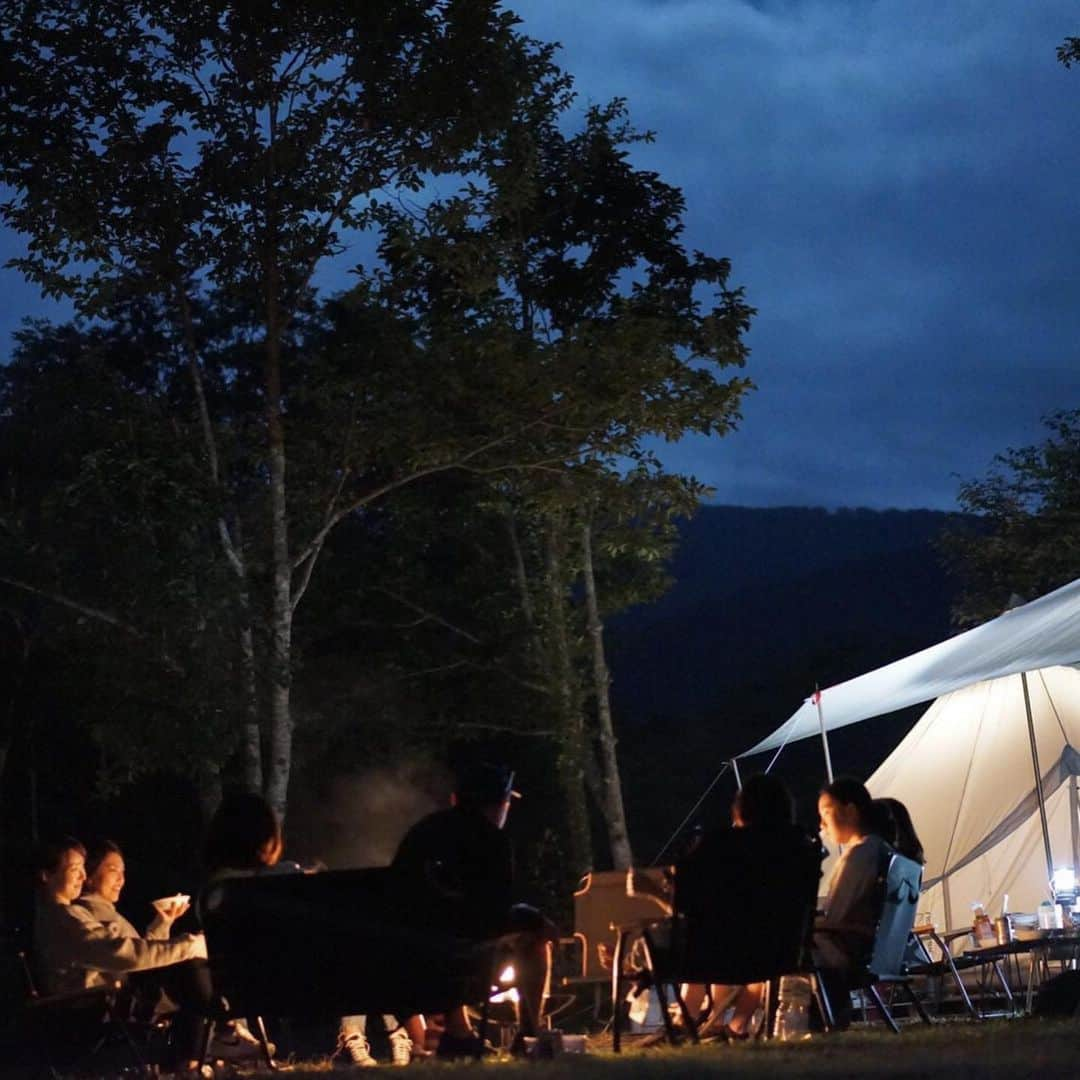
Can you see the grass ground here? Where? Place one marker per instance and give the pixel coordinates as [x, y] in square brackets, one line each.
[1014, 1049]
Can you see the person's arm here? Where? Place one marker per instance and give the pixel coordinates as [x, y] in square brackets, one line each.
[87, 943]
[166, 912]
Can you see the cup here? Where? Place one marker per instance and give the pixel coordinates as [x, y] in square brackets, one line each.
[1003, 929]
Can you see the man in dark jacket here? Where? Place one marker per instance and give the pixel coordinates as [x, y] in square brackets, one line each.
[456, 870]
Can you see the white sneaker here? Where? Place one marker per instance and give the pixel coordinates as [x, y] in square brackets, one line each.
[400, 1047]
[356, 1046]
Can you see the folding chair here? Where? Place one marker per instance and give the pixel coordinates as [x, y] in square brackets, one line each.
[901, 885]
[308, 946]
[744, 914]
[77, 1028]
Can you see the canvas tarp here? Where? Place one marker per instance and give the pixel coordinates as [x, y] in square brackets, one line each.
[965, 773]
[1041, 634]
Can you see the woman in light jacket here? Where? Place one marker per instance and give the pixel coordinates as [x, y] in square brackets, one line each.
[81, 945]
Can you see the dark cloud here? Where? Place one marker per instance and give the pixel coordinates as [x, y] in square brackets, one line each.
[896, 186]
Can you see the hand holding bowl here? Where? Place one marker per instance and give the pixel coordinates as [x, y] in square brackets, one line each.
[172, 907]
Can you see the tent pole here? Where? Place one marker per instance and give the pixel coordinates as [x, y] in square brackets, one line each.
[1074, 821]
[738, 778]
[1038, 779]
[824, 733]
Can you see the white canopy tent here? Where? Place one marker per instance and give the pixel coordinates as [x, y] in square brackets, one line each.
[1041, 634]
[964, 771]
[990, 821]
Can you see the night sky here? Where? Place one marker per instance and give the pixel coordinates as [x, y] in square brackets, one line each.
[897, 184]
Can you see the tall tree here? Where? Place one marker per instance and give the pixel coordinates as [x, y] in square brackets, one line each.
[541, 318]
[1025, 536]
[210, 158]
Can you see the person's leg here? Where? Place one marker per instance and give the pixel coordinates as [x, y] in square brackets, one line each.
[401, 1044]
[416, 1026]
[457, 1024]
[721, 998]
[693, 995]
[352, 1041]
[747, 1002]
[188, 984]
[532, 962]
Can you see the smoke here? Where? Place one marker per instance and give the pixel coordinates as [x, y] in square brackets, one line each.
[359, 819]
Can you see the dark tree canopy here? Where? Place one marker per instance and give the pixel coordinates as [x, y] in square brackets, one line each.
[1025, 540]
[244, 480]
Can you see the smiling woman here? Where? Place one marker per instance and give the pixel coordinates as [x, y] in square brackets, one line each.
[82, 942]
[105, 878]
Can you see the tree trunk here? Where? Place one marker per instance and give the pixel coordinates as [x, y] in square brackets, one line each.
[250, 731]
[521, 577]
[572, 747]
[611, 801]
[209, 789]
[276, 780]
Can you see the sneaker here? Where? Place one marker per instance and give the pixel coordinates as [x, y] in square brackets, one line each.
[356, 1048]
[401, 1048]
[236, 1043]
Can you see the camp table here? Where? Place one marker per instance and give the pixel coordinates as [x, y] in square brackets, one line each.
[1060, 945]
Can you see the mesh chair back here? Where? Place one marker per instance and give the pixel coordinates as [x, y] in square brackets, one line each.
[902, 885]
[745, 907]
[332, 944]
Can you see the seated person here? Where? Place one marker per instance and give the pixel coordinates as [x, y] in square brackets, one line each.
[746, 864]
[84, 945]
[844, 931]
[456, 875]
[244, 839]
[892, 822]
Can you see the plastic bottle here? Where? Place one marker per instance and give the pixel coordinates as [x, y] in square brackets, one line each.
[793, 1009]
[1046, 915]
[982, 928]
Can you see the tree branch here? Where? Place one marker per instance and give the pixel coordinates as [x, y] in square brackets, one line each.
[311, 554]
[94, 613]
[506, 730]
[210, 443]
[391, 485]
[428, 616]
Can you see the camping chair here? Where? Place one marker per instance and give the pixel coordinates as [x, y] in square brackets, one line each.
[79, 1028]
[308, 946]
[602, 903]
[901, 885]
[743, 914]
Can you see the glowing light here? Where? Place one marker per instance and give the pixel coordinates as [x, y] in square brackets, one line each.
[1064, 880]
[506, 976]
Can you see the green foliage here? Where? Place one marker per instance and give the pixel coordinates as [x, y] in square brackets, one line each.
[157, 146]
[104, 511]
[1026, 540]
[1069, 51]
[182, 462]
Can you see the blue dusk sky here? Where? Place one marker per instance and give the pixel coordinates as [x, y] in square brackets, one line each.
[897, 185]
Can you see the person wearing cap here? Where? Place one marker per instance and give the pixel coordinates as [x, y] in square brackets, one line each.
[456, 868]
